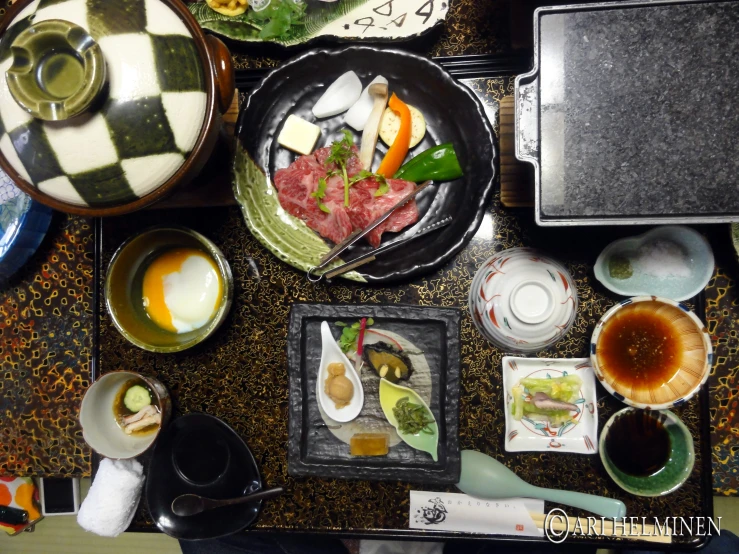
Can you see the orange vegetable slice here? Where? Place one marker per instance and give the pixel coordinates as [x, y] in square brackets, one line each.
[399, 150]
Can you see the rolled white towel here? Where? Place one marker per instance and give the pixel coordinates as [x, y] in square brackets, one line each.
[114, 495]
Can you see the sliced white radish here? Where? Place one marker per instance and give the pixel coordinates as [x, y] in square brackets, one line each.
[358, 114]
[390, 125]
[341, 95]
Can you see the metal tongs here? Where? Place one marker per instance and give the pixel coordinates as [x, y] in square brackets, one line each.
[332, 254]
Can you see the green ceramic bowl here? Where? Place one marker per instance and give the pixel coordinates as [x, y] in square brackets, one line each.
[669, 478]
[58, 70]
[124, 281]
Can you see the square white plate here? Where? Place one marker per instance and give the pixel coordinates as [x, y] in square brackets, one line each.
[535, 436]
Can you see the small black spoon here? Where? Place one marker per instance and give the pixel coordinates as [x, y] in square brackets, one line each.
[191, 504]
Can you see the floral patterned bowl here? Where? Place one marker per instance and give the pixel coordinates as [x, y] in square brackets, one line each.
[522, 300]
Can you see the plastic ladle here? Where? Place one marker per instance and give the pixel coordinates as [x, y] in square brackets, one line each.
[485, 477]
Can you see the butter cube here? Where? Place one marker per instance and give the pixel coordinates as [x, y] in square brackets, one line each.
[299, 135]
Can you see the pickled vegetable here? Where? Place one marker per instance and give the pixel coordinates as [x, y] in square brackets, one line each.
[562, 389]
[412, 418]
[136, 398]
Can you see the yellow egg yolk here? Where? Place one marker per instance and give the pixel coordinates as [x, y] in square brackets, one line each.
[181, 289]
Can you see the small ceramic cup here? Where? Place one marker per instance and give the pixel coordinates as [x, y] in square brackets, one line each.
[123, 288]
[97, 417]
[668, 479]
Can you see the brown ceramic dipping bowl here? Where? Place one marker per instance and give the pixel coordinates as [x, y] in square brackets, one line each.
[217, 83]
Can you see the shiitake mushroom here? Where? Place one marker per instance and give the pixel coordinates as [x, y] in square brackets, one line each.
[387, 361]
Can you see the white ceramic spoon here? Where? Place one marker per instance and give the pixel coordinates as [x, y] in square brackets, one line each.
[331, 353]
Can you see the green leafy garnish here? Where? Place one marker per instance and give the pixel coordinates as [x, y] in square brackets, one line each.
[412, 418]
[364, 174]
[384, 187]
[319, 195]
[341, 151]
[350, 334]
[278, 19]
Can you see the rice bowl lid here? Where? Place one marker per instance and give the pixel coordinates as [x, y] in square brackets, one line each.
[145, 124]
[522, 300]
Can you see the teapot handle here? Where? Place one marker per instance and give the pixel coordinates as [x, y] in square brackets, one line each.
[223, 72]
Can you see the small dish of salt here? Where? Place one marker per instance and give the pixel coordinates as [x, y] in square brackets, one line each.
[673, 261]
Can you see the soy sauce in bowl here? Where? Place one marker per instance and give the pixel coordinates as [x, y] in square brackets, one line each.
[638, 443]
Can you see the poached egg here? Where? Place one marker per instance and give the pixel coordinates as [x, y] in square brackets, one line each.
[182, 290]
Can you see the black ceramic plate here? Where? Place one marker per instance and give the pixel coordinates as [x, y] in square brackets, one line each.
[200, 454]
[453, 114]
[313, 450]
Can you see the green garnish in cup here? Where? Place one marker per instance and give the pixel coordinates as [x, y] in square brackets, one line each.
[412, 418]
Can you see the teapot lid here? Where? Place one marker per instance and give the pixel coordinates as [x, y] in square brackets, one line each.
[139, 129]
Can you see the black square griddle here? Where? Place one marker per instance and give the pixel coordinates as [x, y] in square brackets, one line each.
[631, 113]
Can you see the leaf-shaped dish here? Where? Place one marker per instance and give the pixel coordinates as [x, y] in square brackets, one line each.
[389, 396]
[331, 353]
[345, 20]
[698, 260]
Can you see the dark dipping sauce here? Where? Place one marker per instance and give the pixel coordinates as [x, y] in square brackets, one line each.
[640, 349]
[638, 443]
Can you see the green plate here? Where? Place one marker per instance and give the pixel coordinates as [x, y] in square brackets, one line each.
[344, 20]
[389, 396]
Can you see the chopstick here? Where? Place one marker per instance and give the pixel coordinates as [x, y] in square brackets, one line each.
[370, 256]
[359, 233]
[605, 528]
[470, 66]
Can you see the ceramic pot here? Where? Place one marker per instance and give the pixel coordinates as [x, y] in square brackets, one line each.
[107, 107]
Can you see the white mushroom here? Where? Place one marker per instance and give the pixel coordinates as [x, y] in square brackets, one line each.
[142, 413]
[155, 419]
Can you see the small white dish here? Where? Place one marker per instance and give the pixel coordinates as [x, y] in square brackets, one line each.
[331, 353]
[522, 300]
[528, 435]
[693, 248]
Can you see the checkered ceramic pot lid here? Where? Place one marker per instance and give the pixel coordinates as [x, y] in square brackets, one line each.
[148, 123]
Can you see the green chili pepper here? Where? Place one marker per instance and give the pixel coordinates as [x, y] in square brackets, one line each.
[439, 163]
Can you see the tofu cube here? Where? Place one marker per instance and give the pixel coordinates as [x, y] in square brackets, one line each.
[299, 135]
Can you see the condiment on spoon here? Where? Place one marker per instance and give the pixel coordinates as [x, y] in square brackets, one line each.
[346, 409]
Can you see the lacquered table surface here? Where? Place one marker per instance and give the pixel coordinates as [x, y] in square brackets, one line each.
[47, 330]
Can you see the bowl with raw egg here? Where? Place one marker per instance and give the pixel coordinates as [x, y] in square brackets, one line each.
[168, 288]
[651, 352]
